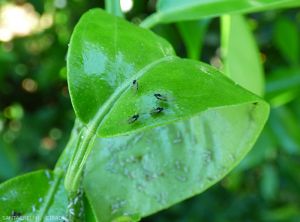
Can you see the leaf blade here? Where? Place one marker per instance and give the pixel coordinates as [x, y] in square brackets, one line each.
[95, 95]
[180, 10]
[196, 99]
[37, 194]
[241, 55]
[179, 81]
[96, 65]
[162, 166]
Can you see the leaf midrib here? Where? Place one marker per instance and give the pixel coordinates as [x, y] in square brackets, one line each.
[50, 195]
[105, 109]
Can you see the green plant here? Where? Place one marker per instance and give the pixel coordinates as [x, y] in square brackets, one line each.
[160, 157]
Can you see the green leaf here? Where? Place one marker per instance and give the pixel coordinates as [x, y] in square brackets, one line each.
[287, 32]
[241, 55]
[41, 196]
[105, 52]
[101, 72]
[104, 55]
[192, 33]
[165, 165]
[182, 10]
[179, 81]
[264, 148]
[37, 196]
[126, 79]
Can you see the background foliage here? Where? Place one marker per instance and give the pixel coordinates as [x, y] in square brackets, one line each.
[36, 114]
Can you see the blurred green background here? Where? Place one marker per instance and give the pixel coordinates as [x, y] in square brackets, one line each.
[36, 115]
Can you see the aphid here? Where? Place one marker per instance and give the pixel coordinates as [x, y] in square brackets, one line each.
[160, 97]
[133, 118]
[157, 110]
[15, 214]
[135, 85]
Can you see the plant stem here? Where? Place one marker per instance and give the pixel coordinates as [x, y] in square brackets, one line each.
[151, 21]
[83, 148]
[114, 7]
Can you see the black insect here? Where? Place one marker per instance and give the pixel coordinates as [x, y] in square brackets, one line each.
[157, 110]
[135, 85]
[133, 118]
[160, 97]
[15, 214]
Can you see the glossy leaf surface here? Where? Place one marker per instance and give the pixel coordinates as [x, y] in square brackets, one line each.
[189, 88]
[37, 196]
[241, 56]
[104, 52]
[180, 10]
[210, 122]
[168, 164]
[102, 71]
